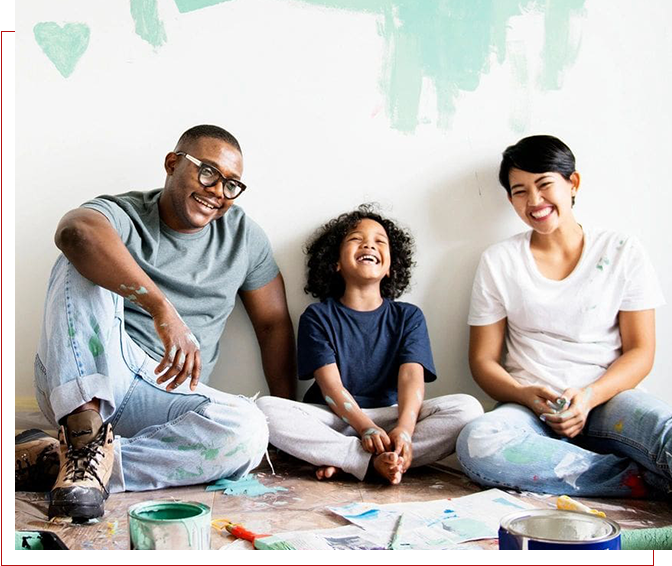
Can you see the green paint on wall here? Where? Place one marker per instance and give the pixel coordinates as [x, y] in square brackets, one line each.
[147, 23]
[451, 43]
[191, 5]
[561, 44]
[62, 45]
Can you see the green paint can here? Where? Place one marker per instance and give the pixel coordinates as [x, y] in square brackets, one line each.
[169, 525]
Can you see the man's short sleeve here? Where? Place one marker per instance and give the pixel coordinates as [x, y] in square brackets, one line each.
[415, 345]
[486, 305]
[315, 349]
[117, 216]
[642, 289]
[262, 266]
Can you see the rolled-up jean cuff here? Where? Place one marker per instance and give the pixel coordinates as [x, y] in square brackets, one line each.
[73, 394]
[117, 483]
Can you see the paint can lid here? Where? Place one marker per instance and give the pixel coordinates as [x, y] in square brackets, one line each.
[551, 525]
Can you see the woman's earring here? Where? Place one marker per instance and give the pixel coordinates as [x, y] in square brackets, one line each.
[573, 201]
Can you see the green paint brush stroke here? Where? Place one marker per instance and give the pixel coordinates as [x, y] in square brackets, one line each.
[451, 43]
[62, 45]
[561, 46]
[191, 5]
[147, 23]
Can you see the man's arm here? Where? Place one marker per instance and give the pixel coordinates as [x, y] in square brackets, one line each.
[267, 309]
[94, 248]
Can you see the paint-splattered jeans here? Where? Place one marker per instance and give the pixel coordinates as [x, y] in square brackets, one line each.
[165, 439]
[625, 450]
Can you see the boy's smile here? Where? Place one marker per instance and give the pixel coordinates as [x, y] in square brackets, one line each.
[365, 254]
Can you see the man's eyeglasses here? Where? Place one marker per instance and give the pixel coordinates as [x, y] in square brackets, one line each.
[209, 176]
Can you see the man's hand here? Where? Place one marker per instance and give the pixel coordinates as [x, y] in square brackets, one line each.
[570, 422]
[182, 358]
[402, 444]
[375, 440]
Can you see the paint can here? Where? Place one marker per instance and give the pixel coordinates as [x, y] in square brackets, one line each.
[546, 529]
[169, 525]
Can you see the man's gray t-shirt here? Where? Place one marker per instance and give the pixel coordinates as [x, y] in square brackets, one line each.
[200, 273]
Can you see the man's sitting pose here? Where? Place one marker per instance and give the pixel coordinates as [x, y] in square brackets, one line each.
[139, 299]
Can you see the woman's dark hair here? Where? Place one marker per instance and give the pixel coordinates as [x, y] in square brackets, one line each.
[324, 247]
[537, 154]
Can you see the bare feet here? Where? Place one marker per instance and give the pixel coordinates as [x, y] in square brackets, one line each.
[389, 465]
[326, 472]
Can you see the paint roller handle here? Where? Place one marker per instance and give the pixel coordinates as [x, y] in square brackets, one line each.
[239, 531]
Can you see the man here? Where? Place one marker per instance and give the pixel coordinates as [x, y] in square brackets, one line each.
[139, 299]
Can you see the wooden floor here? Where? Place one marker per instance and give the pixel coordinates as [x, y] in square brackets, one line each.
[302, 506]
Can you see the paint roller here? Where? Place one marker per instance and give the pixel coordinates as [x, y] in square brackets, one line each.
[631, 539]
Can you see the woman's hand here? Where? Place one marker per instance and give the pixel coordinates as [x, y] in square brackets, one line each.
[571, 421]
[375, 440]
[535, 398]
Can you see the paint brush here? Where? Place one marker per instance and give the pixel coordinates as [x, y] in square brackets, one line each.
[236, 529]
[394, 540]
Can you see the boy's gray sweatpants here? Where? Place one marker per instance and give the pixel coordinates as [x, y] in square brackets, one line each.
[315, 434]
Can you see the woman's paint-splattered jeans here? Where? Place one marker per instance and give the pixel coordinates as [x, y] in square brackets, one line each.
[165, 439]
[625, 450]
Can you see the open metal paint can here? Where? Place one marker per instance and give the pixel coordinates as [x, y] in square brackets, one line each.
[169, 525]
[546, 529]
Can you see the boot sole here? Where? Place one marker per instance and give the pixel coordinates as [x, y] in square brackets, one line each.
[77, 503]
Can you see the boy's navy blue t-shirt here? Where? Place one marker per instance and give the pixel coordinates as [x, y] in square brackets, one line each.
[367, 347]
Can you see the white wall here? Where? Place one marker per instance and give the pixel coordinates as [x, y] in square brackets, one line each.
[303, 89]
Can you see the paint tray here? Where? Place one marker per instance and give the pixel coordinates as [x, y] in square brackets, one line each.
[37, 540]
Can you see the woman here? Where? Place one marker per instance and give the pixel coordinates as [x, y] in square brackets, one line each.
[575, 307]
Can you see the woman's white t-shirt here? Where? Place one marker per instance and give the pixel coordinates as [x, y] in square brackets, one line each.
[565, 333]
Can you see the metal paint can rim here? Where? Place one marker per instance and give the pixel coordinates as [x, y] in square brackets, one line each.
[508, 520]
[138, 510]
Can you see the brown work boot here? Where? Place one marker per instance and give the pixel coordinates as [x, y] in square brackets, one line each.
[36, 461]
[87, 456]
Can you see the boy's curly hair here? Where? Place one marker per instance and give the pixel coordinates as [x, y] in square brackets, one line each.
[323, 251]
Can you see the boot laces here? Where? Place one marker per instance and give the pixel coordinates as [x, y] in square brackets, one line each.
[82, 463]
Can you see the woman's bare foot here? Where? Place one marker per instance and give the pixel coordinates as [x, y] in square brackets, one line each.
[326, 472]
[389, 465]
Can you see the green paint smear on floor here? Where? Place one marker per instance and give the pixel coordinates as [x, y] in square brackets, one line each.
[64, 45]
[247, 485]
[191, 5]
[451, 42]
[147, 23]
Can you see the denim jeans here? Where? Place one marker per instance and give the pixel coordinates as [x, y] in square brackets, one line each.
[165, 438]
[625, 450]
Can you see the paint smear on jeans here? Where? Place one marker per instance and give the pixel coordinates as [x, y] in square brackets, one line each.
[451, 43]
[571, 467]
[64, 46]
[529, 452]
[489, 438]
[206, 453]
[182, 474]
[191, 5]
[618, 427]
[147, 22]
[95, 346]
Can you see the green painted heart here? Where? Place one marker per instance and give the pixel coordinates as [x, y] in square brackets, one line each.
[63, 45]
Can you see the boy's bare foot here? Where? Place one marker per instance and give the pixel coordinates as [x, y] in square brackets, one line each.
[326, 472]
[389, 465]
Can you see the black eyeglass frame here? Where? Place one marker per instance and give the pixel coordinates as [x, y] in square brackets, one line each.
[224, 179]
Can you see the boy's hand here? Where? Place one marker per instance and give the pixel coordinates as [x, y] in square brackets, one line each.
[402, 445]
[375, 440]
